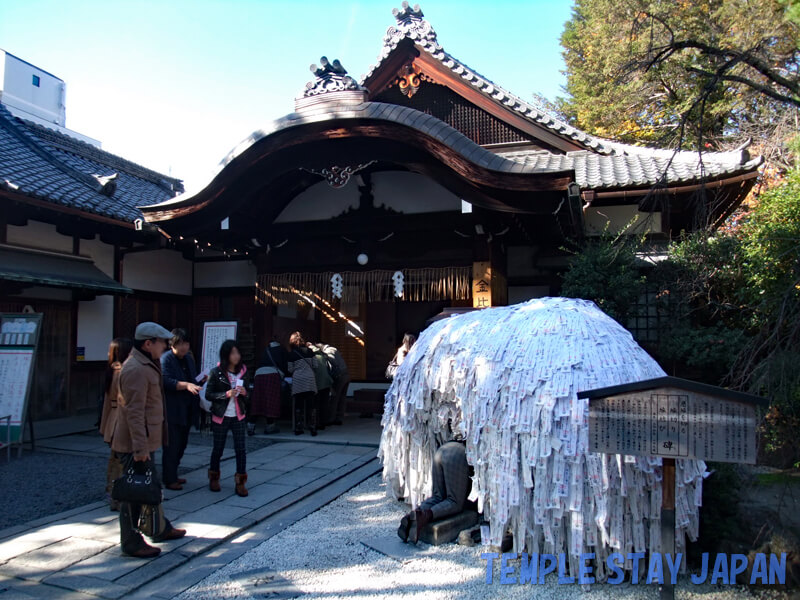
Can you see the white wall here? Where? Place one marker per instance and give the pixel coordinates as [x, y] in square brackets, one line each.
[101, 253]
[230, 273]
[163, 271]
[96, 317]
[320, 202]
[618, 217]
[47, 101]
[96, 327]
[412, 193]
[409, 193]
[39, 235]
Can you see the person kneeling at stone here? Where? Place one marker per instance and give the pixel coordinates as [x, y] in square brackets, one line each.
[451, 486]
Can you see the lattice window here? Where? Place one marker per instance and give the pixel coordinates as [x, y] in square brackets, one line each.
[444, 104]
[647, 320]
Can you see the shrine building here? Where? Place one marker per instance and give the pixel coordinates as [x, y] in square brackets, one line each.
[372, 207]
[379, 202]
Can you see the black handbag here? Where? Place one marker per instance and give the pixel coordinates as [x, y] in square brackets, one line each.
[138, 484]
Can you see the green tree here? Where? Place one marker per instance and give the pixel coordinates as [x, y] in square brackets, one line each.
[677, 71]
[732, 301]
[607, 271]
[769, 363]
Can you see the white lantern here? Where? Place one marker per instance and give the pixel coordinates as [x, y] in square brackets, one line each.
[362, 259]
[337, 285]
[397, 278]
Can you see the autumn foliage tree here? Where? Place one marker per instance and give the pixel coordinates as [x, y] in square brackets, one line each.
[683, 72]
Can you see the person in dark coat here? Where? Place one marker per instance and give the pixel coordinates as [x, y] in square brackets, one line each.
[304, 384]
[141, 429]
[183, 407]
[265, 404]
[227, 392]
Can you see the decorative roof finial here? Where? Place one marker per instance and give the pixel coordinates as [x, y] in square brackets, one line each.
[331, 83]
[407, 13]
[410, 24]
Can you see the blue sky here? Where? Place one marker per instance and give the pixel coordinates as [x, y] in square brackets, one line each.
[174, 85]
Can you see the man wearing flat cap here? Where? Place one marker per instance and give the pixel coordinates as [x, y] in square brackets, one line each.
[142, 429]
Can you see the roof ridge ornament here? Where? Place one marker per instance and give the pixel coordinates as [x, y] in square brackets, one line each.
[331, 83]
[330, 77]
[411, 24]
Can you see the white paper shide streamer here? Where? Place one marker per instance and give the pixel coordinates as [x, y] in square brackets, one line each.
[507, 379]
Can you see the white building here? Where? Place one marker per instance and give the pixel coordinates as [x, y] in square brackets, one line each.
[35, 95]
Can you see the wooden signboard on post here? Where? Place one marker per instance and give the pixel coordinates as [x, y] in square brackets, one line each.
[673, 418]
[19, 336]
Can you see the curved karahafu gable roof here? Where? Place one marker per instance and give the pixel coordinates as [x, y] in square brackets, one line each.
[335, 107]
[342, 120]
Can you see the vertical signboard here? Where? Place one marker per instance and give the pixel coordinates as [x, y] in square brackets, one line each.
[19, 335]
[214, 333]
[481, 284]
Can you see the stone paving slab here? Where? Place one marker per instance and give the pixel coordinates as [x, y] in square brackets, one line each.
[259, 475]
[88, 585]
[155, 568]
[268, 454]
[30, 525]
[302, 476]
[333, 461]
[76, 555]
[289, 462]
[259, 495]
[20, 589]
[317, 450]
[42, 562]
[189, 574]
[109, 565]
[27, 543]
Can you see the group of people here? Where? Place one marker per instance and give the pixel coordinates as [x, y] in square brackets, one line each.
[153, 397]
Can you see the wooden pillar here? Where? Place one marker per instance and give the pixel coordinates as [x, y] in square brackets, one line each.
[667, 521]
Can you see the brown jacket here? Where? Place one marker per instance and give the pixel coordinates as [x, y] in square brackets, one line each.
[110, 402]
[141, 423]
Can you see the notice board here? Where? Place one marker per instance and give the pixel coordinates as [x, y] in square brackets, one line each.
[214, 333]
[19, 335]
[673, 418]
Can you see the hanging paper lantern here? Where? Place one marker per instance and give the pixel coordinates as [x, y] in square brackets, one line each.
[337, 285]
[397, 278]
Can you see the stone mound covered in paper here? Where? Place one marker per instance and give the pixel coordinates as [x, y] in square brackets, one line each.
[507, 380]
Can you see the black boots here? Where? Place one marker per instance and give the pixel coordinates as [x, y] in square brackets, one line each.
[312, 422]
[298, 421]
[405, 526]
[422, 517]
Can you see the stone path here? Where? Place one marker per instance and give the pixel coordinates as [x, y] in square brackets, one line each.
[76, 554]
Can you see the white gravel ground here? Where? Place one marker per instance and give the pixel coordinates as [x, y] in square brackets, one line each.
[323, 557]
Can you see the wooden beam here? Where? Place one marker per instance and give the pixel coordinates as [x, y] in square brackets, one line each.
[67, 210]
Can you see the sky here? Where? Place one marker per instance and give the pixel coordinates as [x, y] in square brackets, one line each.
[174, 85]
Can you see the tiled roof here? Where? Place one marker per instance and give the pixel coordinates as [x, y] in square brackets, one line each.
[592, 170]
[411, 24]
[642, 168]
[48, 165]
